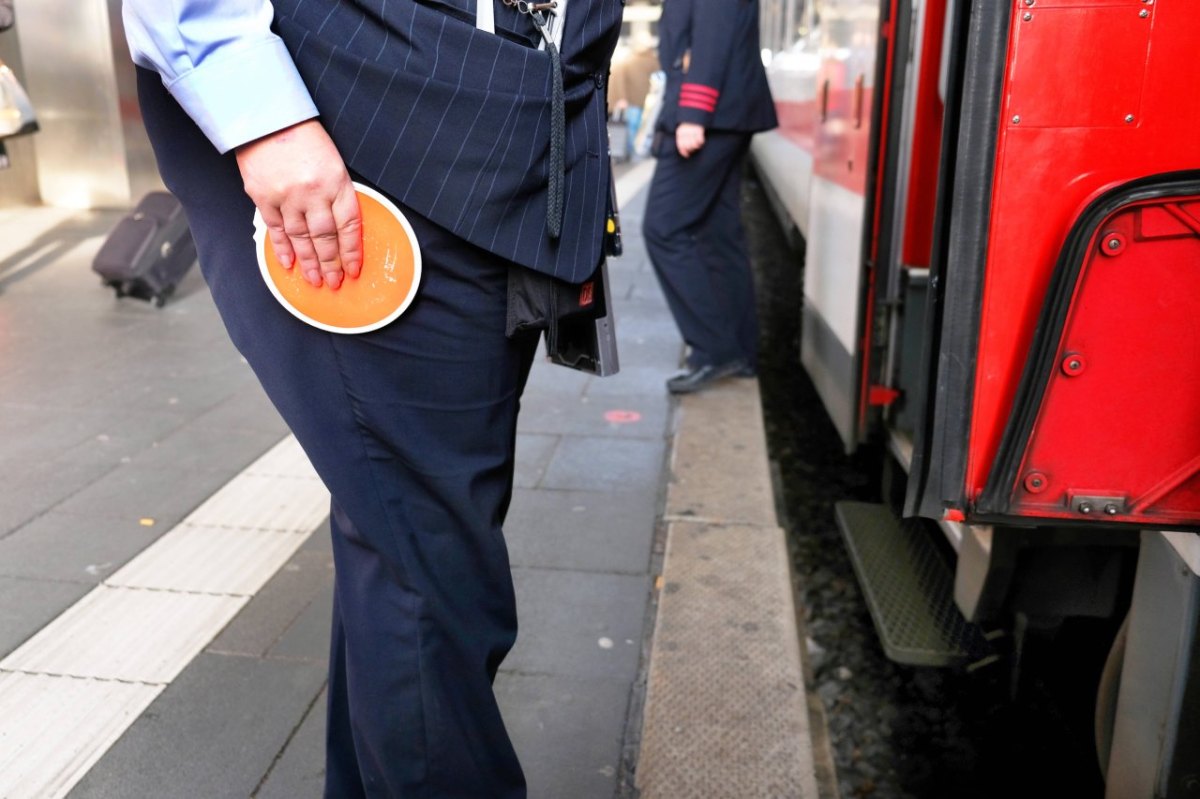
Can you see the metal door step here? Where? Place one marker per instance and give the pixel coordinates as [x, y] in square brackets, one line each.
[909, 587]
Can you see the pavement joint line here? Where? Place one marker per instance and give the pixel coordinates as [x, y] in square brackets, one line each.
[291, 736]
[154, 589]
[121, 630]
[82, 678]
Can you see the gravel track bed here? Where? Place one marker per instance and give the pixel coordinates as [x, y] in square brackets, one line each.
[896, 732]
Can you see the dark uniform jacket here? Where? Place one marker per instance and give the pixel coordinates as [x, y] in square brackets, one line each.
[455, 123]
[715, 77]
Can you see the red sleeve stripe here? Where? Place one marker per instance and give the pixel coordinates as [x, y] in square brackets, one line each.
[700, 88]
[684, 102]
[693, 99]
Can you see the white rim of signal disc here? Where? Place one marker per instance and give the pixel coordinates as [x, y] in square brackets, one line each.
[261, 241]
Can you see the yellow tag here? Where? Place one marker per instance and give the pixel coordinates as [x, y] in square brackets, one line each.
[612, 226]
[146, 521]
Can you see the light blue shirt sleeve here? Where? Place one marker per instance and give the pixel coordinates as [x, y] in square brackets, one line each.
[222, 63]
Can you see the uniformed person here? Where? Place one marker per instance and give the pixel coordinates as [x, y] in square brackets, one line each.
[716, 98]
[497, 166]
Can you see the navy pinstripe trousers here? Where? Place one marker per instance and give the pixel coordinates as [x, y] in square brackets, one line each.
[413, 429]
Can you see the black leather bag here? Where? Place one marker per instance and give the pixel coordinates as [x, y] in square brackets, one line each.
[537, 301]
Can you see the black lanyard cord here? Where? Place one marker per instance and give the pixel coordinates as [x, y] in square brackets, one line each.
[556, 180]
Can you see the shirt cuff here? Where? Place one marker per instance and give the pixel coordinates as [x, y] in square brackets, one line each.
[242, 96]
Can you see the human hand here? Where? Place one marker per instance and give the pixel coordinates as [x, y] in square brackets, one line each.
[298, 181]
[689, 138]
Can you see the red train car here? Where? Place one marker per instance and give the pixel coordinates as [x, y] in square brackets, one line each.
[1000, 201]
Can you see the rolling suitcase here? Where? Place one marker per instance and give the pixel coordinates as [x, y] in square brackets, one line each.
[149, 251]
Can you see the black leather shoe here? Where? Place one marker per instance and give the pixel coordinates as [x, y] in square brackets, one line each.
[702, 377]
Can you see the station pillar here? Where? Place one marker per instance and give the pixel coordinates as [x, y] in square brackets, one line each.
[92, 150]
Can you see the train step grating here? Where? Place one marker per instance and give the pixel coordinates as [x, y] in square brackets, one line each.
[909, 588]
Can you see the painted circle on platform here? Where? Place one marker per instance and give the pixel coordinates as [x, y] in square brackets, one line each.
[391, 273]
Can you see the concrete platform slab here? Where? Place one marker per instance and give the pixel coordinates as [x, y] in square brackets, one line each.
[726, 710]
[263, 622]
[133, 492]
[616, 415]
[534, 451]
[299, 771]
[63, 546]
[719, 467]
[591, 463]
[578, 624]
[593, 531]
[726, 713]
[31, 488]
[211, 735]
[307, 637]
[564, 730]
[30, 605]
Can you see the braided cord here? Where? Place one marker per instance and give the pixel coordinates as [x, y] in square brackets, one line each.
[558, 135]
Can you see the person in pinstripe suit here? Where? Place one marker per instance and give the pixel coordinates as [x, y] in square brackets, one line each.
[411, 427]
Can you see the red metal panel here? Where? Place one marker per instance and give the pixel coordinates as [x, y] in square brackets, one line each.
[1118, 433]
[1085, 68]
[927, 143]
[1046, 175]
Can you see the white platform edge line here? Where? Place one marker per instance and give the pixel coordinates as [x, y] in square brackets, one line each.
[120, 706]
[70, 772]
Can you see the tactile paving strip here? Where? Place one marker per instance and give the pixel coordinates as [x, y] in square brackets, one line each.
[69, 692]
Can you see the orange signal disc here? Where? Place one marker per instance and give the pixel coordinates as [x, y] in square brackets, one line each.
[391, 273]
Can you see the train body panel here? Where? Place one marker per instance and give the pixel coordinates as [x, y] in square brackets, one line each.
[775, 152]
[788, 149]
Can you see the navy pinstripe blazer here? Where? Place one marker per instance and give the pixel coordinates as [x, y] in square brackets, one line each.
[455, 122]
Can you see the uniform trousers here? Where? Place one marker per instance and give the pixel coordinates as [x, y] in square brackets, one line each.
[413, 430]
[694, 234]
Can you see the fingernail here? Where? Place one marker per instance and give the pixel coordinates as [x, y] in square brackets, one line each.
[286, 260]
[333, 280]
[313, 277]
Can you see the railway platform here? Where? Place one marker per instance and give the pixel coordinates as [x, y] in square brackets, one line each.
[166, 578]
